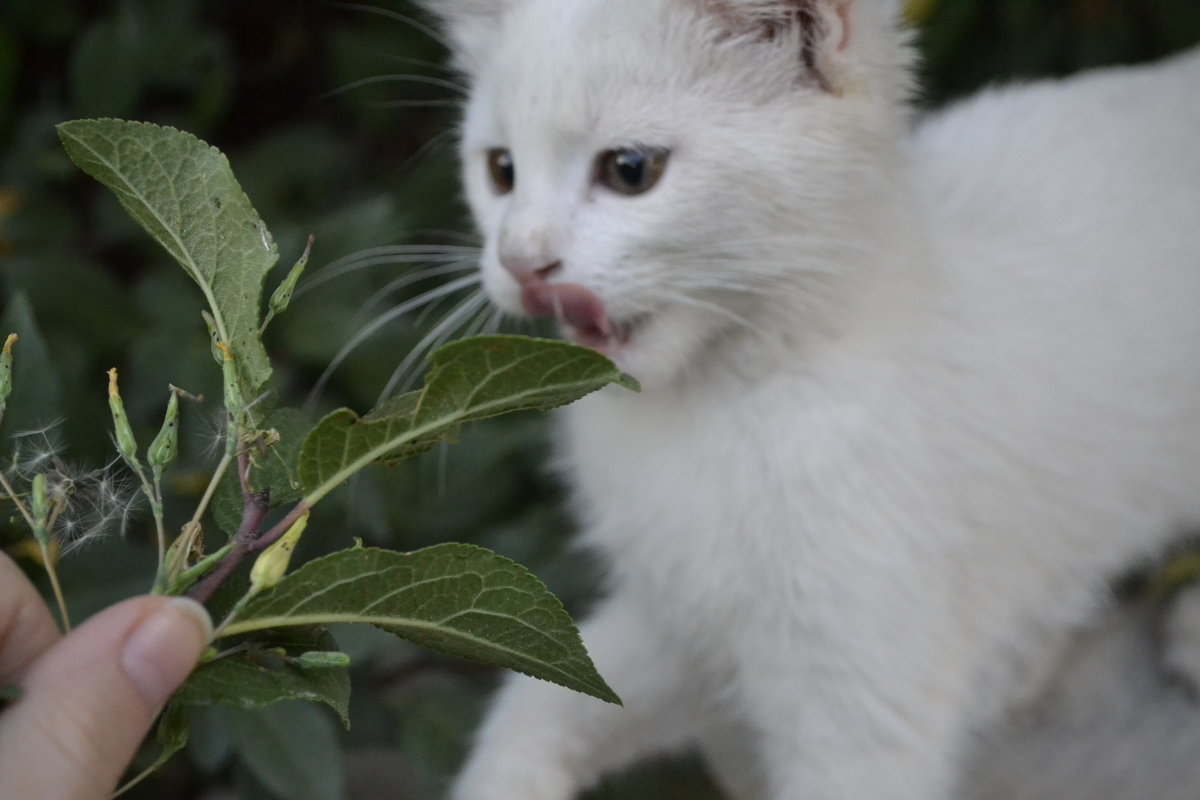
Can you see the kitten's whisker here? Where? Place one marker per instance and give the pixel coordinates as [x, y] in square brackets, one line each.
[468, 239]
[764, 289]
[416, 276]
[431, 147]
[380, 256]
[433, 66]
[490, 318]
[389, 104]
[401, 18]
[374, 80]
[423, 317]
[717, 309]
[404, 374]
[371, 328]
[478, 323]
[495, 320]
[781, 267]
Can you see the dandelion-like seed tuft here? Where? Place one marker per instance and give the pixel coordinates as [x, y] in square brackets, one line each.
[91, 504]
[36, 450]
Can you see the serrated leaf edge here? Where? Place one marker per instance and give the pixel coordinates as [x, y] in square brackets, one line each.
[507, 403]
[598, 688]
[180, 252]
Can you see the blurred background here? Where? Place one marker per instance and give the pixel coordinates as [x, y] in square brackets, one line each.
[337, 120]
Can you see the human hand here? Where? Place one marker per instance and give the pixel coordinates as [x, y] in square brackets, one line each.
[89, 698]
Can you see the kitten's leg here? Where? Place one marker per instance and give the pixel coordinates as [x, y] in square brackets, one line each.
[543, 742]
[732, 753]
[861, 703]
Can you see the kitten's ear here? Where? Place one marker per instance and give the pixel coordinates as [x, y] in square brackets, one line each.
[470, 26]
[827, 32]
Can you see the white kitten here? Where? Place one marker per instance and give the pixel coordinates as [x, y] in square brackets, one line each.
[911, 398]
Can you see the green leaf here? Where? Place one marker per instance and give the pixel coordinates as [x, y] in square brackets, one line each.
[292, 748]
[172, 733]
[487, 376]
[454, 598]
[258, 677]
[471, 379]
[184, 194]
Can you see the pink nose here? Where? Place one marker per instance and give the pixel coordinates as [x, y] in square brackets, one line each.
[527, 270]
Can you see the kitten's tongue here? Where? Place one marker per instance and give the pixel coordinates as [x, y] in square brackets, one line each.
[574, 306]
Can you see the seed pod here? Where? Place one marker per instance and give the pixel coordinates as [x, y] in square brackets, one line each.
[323, 660]
[40, 509]
[6, 371]
[272, 563]
[165, 446]
[282, 297]
[126, 444]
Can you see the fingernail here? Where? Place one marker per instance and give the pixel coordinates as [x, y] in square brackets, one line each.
[164, 648]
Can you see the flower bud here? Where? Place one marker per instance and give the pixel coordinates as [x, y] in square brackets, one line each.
[282, 297]
[272, 563]
[165, 446]
[6, 371]
[126, 444]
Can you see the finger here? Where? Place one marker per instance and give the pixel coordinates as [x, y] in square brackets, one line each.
[89, 700]
[26, 627]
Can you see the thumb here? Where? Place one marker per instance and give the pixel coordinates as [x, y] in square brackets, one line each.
[89, 700]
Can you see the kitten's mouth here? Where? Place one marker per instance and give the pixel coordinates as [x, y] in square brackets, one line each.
[582, 313]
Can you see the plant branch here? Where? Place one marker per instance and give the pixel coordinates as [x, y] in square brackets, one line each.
[243, 461]
[210, 492]
[254, 513]
[47, 563]
[12, 495]
[280, 528]
[56, 587]
[156, 508]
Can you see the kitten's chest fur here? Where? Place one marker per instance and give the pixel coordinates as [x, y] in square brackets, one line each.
[707, 495]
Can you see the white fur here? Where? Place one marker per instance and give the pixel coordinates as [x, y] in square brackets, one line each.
[911, 398]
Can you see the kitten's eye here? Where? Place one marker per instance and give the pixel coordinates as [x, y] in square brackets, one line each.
[502, 170]
[632, 171]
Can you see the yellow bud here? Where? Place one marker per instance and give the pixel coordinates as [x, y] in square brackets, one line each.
[272, 563]
[126, 444]
[6, 371]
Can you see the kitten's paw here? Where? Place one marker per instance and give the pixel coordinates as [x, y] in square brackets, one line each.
[1181, 641]
[512, 779]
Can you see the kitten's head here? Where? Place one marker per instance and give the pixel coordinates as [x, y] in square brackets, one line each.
[662, 174]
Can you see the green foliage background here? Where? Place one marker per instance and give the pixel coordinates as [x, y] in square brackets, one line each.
[285, 88]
